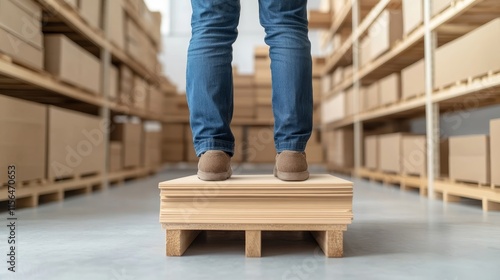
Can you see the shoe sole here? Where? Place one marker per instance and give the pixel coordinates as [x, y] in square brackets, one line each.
[209, 176]
[291, 176]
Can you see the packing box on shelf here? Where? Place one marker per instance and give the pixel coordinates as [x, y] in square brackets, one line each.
[115, 156]
[24, 138]
[130, 135]
[126, 86]
[91, 12]
[115, 21]
[478, 53]
[390, 89]
[71, 63]
[242, 81]
[173, 132]
[21, 32]
[260, 145]
[495, 151]
[372, 96]
[389, 152]
[371, 152]
[470, 158]
[152, 148]
[340, 150]
[364, 53]
[113, 83]
[264, 112]
[385, 32]
[155, 101]
[263, 95]
[413, 80]
[440, 5]
[173, 152]
[175, 105]
[413, 15]
[333, 109]
[141, 93]
[76, 144]
[314, 149]
[414, 155]
[337, 76]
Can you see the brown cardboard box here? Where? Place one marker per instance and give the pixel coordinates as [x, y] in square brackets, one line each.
[385, 32]
[444, 148]
[24, 140]
[243, 81]
[21, 23]
[31, 7]
[126, 86]
[20, 51]
[72, 3]
[317, 90]
[173, 152]
[173, 132]
[371, 152]
[260, 145]
[495, 151]
[115, 21]
[314, 149]
[263, 95]
[390, 152]
[372, 96]
[141, 93]
[414, 155]
[337, 76]
[265, 112]
[440, 5]
[72, 64]
[113, 83]
[155, 100]
[478, 53]
[470, 158]
[390, 89]
[364, 53]
[413, 80]
[91, 12]
[152, 149]
[343, 153]
[413, 15]
[131, 137]
[333, 109]
[115, 156]
[175, 105]
[76, 144]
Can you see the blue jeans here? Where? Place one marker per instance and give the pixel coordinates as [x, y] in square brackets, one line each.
[209, 74]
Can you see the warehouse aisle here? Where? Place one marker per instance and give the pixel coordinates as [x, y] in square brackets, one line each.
[116, 235]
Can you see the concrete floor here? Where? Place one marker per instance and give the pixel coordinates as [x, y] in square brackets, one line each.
[116, 235]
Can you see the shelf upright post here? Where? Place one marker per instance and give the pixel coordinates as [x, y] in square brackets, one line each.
[104, 110]
[431, 108]
[358, 126]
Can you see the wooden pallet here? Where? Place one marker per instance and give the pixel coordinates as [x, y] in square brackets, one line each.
[405, 181]
[450, 191]
[180, 236]
[253, 204]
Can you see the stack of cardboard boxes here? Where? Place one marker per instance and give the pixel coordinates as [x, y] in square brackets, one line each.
[244, 96]
[263, 84]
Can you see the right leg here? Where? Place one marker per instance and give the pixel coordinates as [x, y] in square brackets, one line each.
[209, 85]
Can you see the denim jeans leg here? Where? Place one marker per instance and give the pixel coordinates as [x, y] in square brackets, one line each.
[209, 81]
[285, 23]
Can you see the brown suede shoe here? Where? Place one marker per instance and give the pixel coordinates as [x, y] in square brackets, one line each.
[291, 166]
[214, 166]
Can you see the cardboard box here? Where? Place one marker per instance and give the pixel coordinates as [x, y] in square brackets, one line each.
[115, 157]
[314, 149]
[478, 53]
[20, 51]
[72, 3]
[173, 152]
[131, 137]
[264, 112]
[385, 32]
[31, 7]
[91, 12]
[365, 51]
[141, 93]
[126, 86]
[333, 109]
[414, 155]
[24, 140]
[372, 96]
[72, 64]
[413, 15]
[113, 83]
[440, 5]
[495, 151]
[470, 158]
[390, 152]
[115, 21]
[390, 89]
[173, 132]
[371, 152]
[413, 80]
[343, 153]
[21, 23]
[444, 149]
[152, 149]
[260, 145]
[264, 95]
[76, 144]
[155, 101]
[337, 76]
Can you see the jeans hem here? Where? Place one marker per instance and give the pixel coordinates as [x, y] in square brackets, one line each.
[291, 146]
[219, 145]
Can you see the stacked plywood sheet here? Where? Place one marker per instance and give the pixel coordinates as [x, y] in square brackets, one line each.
[254, 203]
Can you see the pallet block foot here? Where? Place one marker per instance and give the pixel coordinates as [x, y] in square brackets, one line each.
[253, 243]
[331, 242]
[450, 198]
[179, 240]
[490, 205]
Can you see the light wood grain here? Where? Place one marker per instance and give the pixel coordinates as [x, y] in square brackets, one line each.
[262, 227]
[331, 242]
[253, 243]
[179, 240]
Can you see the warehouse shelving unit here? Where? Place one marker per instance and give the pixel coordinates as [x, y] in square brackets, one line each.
[35, 85]
[460, 18]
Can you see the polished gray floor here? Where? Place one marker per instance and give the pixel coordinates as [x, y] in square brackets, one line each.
[116, 235]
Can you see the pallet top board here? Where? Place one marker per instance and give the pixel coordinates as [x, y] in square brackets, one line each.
[316, 181]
